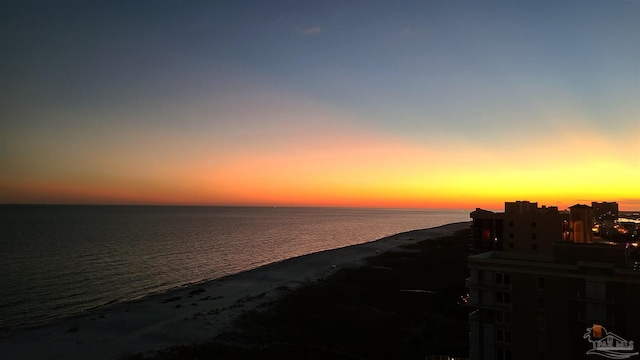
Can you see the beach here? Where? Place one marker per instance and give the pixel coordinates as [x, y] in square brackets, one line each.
[194, 313]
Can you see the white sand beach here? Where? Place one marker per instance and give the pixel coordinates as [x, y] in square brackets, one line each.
[193, 313]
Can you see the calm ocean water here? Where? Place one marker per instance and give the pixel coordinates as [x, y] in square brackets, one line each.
[60, 260]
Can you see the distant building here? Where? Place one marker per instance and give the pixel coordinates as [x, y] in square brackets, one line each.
[523, 227]
[605, 211]
[487, 229]
[581, 224]
[605, 217]
[531, 229]
[541, 302]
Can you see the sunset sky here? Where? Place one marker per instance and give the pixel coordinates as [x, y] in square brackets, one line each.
[427, 104]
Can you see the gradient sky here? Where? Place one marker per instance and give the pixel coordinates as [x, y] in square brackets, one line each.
[432, 104]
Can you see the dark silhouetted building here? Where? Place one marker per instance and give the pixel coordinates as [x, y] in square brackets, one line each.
[558, 300]
[522, 227]
[532, 229]
[605, 211]
[487, 229]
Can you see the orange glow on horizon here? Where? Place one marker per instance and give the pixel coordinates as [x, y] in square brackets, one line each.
[329, 197]
[345, 168]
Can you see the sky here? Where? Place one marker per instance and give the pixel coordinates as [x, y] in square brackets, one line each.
[395, 104]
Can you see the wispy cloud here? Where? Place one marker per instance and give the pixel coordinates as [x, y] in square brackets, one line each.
[312, 30]
[406, 30]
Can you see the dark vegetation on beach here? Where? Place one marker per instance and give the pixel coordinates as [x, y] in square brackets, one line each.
[401, 305]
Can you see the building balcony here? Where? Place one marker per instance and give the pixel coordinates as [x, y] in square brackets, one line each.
[474, 317]
[606, 299]
[469, 283]
[474, 303]
[610, 319]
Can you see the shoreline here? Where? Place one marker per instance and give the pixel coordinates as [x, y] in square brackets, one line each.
[193, 312]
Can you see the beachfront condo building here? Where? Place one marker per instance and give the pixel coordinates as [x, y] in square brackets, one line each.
[605, 211]
[544, 295]
[522, 227]
[581, 224]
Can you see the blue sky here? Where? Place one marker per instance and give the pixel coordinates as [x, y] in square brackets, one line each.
[201, 77]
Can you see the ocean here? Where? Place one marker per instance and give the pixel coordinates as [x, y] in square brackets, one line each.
[59, 260]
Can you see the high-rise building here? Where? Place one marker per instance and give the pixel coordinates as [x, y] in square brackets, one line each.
[487, 231]
[581, 223]
[532, 229]
[522, 227]
[605, 211]
[558, 300]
